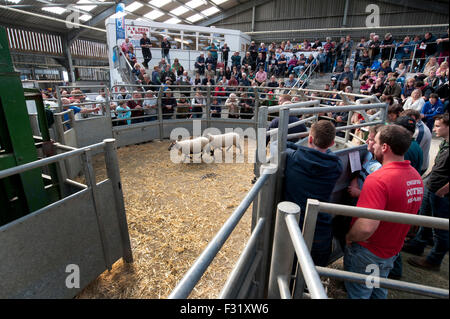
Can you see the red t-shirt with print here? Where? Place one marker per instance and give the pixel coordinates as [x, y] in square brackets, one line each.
[394, 187]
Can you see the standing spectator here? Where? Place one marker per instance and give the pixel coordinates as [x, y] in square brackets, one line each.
[443, 47]
[150, 106]
[253, 50]
[328, 49]
[168, 104]
[403, 52]
[136, 106]
[340, 49]
[235, 60]
[126, 45]
[247, 105]
[322, 59]
[422, 136]
[387, 47]
[165, 49]
[414, 153]
[311, 172]
[432, 108]
[315, 47]
[374, 48]
[183, 106]
[360, 48]
[225, 52]
[232, 104]
[146, 53]
[431, 46]
[397, 187]
[214, 53]
[437, 189]
[198, 103]
[347, 49]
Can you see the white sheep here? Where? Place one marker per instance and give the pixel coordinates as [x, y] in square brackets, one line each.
[224, 140]
[189, 147]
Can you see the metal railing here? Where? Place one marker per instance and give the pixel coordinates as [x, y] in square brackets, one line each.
[313, 208]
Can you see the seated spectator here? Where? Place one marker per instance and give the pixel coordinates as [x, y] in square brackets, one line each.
[167, 74]
[213, 49]
[334, 83]
[366, 86]
[246, 104]
[394, 89]
[394, 109]
[345, 82]
[247, 61]
[312, 172]
[123, 95]
[210, 61]
[346, 74]
[260, 61]
[216, 109]
[432, 82]
[233, 82]
[131, 56]
[168, 103]
[414, 153]
[156, 78]
[123, 113]
[244, 81]
[272, 64]
[236, 60]
[220, 75]
[431, 65]
[408, 89]
[401, 73]
[219, 91]
[339, 67]
[150, 106]
[261, 76]
[367, 74]
[442, 71]
[288, 47]
[385, 67]
[273, 82]
[316, 46]
[430, 109]
[290, 82]
[292, 63]
[293, 130]
[210, 71]
[282, 65]
[208, 80]
[183, 107]
[232, 104]
[198, 103]
[136, 107]
[310, 60]
[301, 64]
[200, 64]
[162, 64]
[415, 101]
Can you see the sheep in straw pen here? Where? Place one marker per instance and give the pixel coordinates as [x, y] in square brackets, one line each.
[224, 140]
[190, 147]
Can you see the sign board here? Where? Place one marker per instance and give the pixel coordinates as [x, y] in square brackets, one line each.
[134, 33]
[120, 21]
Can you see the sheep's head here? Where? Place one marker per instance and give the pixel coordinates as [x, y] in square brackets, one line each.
[209, 136]
[172, 144]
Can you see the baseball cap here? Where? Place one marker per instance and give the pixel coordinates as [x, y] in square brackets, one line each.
[407, 122]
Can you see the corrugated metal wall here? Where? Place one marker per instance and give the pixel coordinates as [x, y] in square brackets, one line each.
[320, 14]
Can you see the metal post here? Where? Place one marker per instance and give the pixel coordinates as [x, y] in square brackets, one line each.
[283, 249]
[413, 57]
[92, 185]
[112, 169]
[58, 95]
[281, 155]
[208, 106]
[349, 122]
[309, 227]
[160, 114]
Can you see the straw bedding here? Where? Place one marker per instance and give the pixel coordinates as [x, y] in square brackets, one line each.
[173, 211]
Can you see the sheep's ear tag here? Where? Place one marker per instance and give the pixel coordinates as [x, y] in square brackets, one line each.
[179, 138]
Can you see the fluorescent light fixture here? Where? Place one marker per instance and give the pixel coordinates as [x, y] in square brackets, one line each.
[219, 1]
[179, 11]
[159, 3]
[195, 3]
[173, 21]
[210, 11]
[55, 10]
[86, 8]
[134, 6]
[195, 18]
[155, 14]
[85, 17]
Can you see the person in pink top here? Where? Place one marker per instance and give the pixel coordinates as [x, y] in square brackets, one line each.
[261, 76]
[126, 46]
[397, 187]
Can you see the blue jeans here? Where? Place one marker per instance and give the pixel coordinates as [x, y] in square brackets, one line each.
[439, 208]
[357, 259]
[420, 241]
[167, 56]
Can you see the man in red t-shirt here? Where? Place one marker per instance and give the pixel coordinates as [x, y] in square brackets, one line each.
[373, 245]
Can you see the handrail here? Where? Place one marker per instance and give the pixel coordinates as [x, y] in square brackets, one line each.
[190, 279]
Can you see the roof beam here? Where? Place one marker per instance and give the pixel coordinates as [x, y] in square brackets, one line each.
[164, 11]
[425, 5]
[232, 11]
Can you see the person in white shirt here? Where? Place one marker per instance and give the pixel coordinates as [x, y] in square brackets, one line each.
[415, 101]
